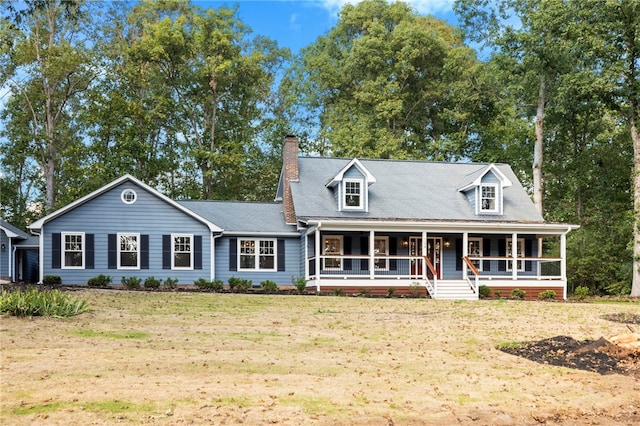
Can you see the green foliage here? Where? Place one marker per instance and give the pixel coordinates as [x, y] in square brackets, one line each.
[239, 285]
[215, 285]
[33, 302]
[547, 295]
[581, 292]
[517, 293]
[364, 291]
[131, 283]
[170, 283]
[415, 289]
[391, 291]
[484, 292]
[269, 286]
[101, 281]
[51, 280]
[300, 284]
[386, 83]
[338, 292]
[152, 283]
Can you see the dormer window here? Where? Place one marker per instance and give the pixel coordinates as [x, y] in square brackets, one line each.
[485, 190]
[488, 201]
[352, 194]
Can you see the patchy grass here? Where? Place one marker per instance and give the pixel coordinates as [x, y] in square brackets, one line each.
[210, 358]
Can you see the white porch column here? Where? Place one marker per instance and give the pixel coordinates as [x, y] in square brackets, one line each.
[424, 253]
[538, 263]
[306, 257]
[563, 262]
[317, 249]
[465, 253]
[514, 255]
[372, 255]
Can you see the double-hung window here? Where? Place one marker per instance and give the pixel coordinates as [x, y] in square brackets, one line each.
[73, 250]
[128, 251]
[381, 249]
[182, 251]
[257, 254]
[475, 250]
[488, 198]
[519, 253]
[352, 194]
[332, 247]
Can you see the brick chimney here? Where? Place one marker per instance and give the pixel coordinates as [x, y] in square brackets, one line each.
[290, 166]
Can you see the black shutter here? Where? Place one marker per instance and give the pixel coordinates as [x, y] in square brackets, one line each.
[166, 252]
[233, 254]
[281, 256]
[89, 251]
[458, 254]
[144, 252]
[56, 250]
[112, 251]
[346, 246]
[197, 252]
[364, 249]
[486, 251]
[502, 252]
[393, 251]
[528, 252]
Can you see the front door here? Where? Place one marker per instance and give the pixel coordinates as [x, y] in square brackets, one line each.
[434, 253]
[415, 249]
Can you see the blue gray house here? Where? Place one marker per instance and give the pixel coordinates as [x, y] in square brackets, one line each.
[18, 255]
[358, 225]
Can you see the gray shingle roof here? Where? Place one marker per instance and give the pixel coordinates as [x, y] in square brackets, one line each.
[20, 233]
[407, 190]
[238, 216]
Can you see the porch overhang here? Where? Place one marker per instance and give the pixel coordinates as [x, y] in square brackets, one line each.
[537, 228]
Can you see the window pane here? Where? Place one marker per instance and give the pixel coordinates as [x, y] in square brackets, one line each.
[73, 258]
[247, 262]
[128, 259]
[182, 260]
[267, 262]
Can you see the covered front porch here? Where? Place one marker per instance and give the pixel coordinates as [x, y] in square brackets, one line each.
[441, 261]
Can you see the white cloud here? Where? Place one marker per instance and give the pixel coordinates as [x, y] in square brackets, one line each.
[423, 7]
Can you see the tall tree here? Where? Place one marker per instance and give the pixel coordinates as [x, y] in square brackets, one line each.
[193, 91]
[379, 83]
[609, 35]
[527, 33]
[48, 66]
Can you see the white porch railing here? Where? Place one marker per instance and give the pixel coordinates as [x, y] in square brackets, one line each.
[420, 268]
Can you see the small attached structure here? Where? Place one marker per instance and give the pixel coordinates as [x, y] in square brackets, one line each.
[18, 255]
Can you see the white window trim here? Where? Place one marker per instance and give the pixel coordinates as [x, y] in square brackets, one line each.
[360, 206]
[63, 250]
[341, 252]
[128, 190]
[173, 252]
[478, 263]
[520, 248]
[119, 251]
[386, 261]
[497, 198]
[257, 254]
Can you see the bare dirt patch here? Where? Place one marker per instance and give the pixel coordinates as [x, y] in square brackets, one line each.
[204, 358]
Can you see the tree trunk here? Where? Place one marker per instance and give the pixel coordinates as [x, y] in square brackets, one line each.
[537, 150]
[635, 137]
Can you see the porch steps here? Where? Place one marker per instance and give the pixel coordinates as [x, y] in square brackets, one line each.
[455, 290]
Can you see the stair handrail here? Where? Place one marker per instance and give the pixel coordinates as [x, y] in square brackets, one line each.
[433, 290]
[475, 272]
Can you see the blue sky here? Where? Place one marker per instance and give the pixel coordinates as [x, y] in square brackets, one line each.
[298, 23]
